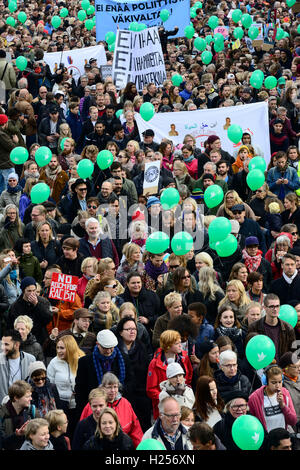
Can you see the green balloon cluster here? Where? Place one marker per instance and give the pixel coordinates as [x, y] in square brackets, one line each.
[90, 10]
[39, 193]
[209, 39]
[189, 31]
[227, 246]
[236, 15]
[21, 63]
[85, 4]
[157, 242]
[85, 168]
[147, 111]
[247, 432]
[176, 79]
[213, 22]
[104, 159]
[89, 24]
[213, 195]
[56, 21]
[256, 79]
[164, 14]
[19, 155]
[257, 163]
[193, 13]
[270, 82]
[182, 243]
[200, 44]
[10, 21]
[219, 229]
[12, 6]
[289, 314]
[255, 179]
[260, 351]
[150, 444]
[234, 133]
[43, 156]
[169, 198]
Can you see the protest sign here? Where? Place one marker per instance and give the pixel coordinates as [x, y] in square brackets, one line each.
[75, 59]
[113, 13]
[151, 177]
[253, 118]
[63, 287]
[138, 58]
[106, 71]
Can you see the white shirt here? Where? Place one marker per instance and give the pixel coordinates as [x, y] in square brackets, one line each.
[15, 372]
[273, 413]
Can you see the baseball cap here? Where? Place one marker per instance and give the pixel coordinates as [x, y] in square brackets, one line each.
[148, 133]
[230, 75]
[238, 207]
[251, 241]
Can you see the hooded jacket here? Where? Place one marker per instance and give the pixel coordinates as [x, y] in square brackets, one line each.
[27, 445]
[25, 360]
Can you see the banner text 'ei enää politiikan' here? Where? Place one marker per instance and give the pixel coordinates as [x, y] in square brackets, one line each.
[110, 14]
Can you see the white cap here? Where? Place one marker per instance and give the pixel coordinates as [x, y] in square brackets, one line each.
[107, 339]
[174, 369]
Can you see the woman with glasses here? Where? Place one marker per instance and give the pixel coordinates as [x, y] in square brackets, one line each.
[231, 199]
[105, 312]
[183, 285]
[291, 214]
[235, 406]
[111, 285]
[258, 201]
[229, 378]
[45, 395]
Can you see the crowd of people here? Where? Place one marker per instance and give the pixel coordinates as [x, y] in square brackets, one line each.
[152, 345]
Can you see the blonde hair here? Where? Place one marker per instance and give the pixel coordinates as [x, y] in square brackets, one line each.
[34, 425]
[89, 260]
[73, 352]
[113, 309]
[168, 338]
[39, 226]
[128, 306]
[205, 258]
[180, 166]
[54, 419]
[274, 208]
[24, 319]
[244, 299]
[129, 249]
[171, 298]
[99, 392]
[112, 412]
[208, 282]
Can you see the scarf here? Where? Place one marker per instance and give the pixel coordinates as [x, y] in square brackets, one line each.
[104, 363]
[289, 280]
[52, 174]
[154, 271]
[14, 190]
[188, 159]
[45, 400]
[140, 241]
[294, 379]
[233, 332]
[252, 263]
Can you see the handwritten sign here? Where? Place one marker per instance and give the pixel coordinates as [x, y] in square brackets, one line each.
[63, 287]
[224, 30]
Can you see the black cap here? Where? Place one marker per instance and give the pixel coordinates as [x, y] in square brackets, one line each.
[235, 394]
[148, 133]
[92, 60]
[238, 207]
[80, 181]
[206, 346]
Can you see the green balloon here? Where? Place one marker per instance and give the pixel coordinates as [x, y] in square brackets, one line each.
[63, 12]
[176, 79]
[236, 15]
[213, 22]
[253, 32]
[182, 243]
[62, 144]
[150, 444]
[147, 111]
[157, 243]
[255, 81]
[19, 155]
[209, 39]
[279, 34]
[43, 156]
[213, 195]
[290, 3]
[206, 57]
[197, 5]
[56, 21]
[255, 179]
[81, 15]
[247, 432]
[21, 62]
[257, 163]
[219, 229]
[85, 168]
[270, 82]
[90, 10]
[289, 314]
[227, 246]
[110, 37]
[218, 37]
[189, 31]
[164, 14]
[39, 193]
[200, 44]
[193, 13]
[119, 112]
[219, 46]
[298, 29]
[85, 4]
[11, 21]
[169, 198]
[260, 351]
[238, 33]
[89, 24]
[22, 17]
[133, 26]
[234, 133]
[246, 20]
[104, 159]
[111, 47]
[12, 6]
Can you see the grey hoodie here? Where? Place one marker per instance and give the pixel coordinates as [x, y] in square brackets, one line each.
[27, 445]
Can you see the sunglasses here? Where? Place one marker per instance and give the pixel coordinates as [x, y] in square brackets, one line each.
[174, 266]
[113, 286]
[237, 212]
[82, 189]
[294, 233]
[92, 207]
[186, 277]
[38, 379]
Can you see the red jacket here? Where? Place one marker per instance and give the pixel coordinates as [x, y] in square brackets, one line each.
[127, 417]
[157, 374]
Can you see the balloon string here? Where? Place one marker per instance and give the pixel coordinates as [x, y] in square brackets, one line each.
[252, 382]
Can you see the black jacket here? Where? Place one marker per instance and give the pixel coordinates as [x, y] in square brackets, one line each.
[286, 292]
[225, 386]
[84, 430]
[147, 304]
[99, 140]
[44, 130]
[120, 443]
[69, 266]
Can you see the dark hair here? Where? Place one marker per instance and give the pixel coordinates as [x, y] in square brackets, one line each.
[184, 325]
[201, 432]
[19, 244]
[275, 436]
[133, 274]
[15, 335]
[177, 277]
[112, 198]
[122, 322]
[254, 277]
[222, 161]
[199, 308]
[115, 166]
[203, 398]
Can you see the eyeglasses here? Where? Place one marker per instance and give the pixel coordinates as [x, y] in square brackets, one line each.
[237, 212]
[294, 233]
[177, 415]
[273, 307]
[259, 191]
[239, 407]
[112, 286]
[129, 329]
[82, 189]
[38, 379]
[92, 207]
[174, 266]
[186, 277]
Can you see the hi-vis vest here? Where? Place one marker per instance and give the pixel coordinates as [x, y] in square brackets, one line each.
[297, 191]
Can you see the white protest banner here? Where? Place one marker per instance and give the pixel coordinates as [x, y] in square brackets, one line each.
[75, 59]
[113, 13]
[138, 58]
[63, 287]
[151, 177]
[252, 118]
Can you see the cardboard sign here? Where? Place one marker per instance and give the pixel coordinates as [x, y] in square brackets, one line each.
[63, 287]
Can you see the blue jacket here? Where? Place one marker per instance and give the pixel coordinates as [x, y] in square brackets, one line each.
[282, 189]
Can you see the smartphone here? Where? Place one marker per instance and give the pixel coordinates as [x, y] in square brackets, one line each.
[7, 260]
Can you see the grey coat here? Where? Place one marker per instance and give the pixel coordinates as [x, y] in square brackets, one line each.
[26, 359]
